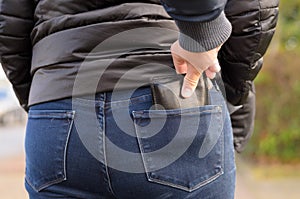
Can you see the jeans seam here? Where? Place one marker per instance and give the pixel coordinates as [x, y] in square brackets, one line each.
[66, 146]
[104, 150]
[38, 189]
[199, 185]
[223, 140]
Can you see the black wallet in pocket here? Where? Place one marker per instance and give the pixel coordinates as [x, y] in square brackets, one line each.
[166, 93]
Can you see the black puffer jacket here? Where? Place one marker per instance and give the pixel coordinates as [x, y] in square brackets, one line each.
[39, 37]
[254, 23]
[241, 58]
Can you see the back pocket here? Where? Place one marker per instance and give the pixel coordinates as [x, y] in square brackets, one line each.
[181, 148]
[46, 142]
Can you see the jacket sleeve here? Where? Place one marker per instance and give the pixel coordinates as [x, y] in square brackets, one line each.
[202, 24]
[242, 121]
[253, 23]
[16, 23]
[241, 58]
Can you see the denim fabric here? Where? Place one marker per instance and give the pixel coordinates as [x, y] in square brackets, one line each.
[114, 145]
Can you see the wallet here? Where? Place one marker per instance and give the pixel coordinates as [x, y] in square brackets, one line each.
[166, 93]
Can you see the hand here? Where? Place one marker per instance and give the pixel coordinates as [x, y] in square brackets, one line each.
[193, 65]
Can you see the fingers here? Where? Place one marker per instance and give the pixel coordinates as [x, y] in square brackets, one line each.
[193, 64]
[193, 75]
[212, 70]
[180, 64]
[190, 81]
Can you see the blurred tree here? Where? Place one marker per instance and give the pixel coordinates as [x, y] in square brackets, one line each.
[277, 130]
[290, 24]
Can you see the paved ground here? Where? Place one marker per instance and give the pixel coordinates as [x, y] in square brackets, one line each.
[12, 162]
[252, 183]
[11, 178]
[267, 181]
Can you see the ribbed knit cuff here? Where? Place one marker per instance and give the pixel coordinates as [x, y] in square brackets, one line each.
[204, 36]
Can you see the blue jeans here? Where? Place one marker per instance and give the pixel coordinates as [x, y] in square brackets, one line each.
[113, 145]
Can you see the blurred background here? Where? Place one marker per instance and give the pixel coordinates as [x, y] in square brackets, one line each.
[12, 127]
[270, 165]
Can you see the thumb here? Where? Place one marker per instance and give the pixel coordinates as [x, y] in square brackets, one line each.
[190, 81]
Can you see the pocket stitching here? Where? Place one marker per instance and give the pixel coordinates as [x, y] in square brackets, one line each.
[173, 112]
[205, 182]
[57, 114]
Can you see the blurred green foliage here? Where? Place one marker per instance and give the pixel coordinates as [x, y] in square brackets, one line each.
[277, 128]
[289, 24]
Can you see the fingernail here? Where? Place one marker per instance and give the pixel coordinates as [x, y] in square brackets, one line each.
[187, 92]
[218, 67]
